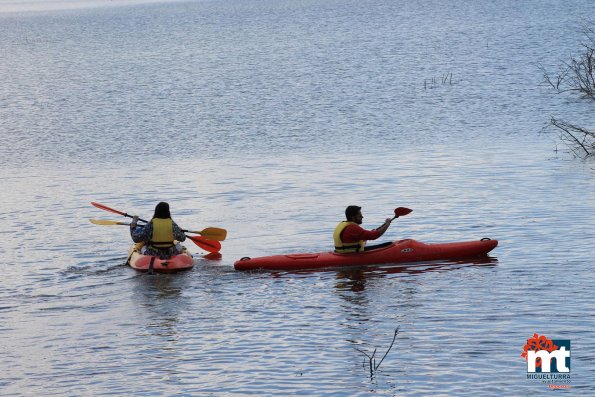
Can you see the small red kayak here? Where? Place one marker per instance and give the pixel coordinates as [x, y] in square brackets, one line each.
[403, 251]
[148, 263]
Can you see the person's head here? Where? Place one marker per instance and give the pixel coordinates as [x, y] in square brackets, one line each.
[162, 211]
[353, 213]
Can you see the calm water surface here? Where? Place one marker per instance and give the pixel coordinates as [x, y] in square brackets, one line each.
[267, 118]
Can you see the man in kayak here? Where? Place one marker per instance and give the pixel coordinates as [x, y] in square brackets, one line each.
[349, 236]
[159, 234]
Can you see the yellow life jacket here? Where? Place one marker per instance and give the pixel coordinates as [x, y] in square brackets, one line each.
[163, 233]
[342, 247]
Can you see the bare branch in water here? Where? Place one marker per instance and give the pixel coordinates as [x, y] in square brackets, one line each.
[578, 75]
[371, 360]
[578, 138]
[390, 347]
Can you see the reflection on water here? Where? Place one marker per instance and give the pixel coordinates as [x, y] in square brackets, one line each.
[160, 298]
[354, 278]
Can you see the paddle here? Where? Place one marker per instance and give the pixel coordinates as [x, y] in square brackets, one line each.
[107, 223]
[207, 245]
[401, 211]
[213, 233]
[106, 208]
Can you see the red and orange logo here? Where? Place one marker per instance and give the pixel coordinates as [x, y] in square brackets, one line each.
[537, 343]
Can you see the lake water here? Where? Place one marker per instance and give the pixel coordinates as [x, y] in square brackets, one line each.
[268, 118]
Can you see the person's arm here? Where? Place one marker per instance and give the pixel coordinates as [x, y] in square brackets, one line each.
[178, 233]
[355, 233]
[382, 229]
[140, 234]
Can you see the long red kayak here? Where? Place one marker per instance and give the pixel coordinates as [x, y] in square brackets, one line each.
[403, 251]
[176, 263]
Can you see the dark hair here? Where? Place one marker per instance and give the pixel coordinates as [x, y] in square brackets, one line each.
[162, 211]
[352, 211]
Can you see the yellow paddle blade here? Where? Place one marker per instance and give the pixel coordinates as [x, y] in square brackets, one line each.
[106, 222]
[212, 233]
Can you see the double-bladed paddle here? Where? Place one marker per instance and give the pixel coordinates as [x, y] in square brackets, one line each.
[208, 245]
[213, 233]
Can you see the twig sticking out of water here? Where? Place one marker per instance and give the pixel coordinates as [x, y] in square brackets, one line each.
[431, 83]
[447, 78]
[371, 360]
[390, 347]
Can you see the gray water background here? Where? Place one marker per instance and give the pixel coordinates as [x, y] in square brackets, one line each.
[267, 118]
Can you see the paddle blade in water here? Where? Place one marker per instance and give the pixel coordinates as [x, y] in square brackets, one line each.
[213, 256]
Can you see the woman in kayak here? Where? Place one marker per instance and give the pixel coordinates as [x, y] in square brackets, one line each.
[159, 234]
[349, 236]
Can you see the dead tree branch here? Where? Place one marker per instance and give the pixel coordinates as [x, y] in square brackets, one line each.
[580, 140]
[578, 76]
[372, 361]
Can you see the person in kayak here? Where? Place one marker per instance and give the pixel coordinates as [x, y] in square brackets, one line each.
[349, 236]
[159, 234]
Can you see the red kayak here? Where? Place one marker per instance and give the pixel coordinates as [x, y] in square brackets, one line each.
[149, 263]
[403, 251]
